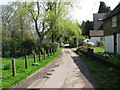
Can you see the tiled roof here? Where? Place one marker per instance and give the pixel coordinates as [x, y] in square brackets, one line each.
[96, 33]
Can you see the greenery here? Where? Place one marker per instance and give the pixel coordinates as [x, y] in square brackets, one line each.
[8, 80]
[100, 43]
[115, 59]
[83, 48]
[98, 49]
[104, 76]
[99, 52]
[103, 8]
[25, 24]
[7, 66]
[86, 27]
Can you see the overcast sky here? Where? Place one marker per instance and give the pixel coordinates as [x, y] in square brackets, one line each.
[88, 7]
[84, 9]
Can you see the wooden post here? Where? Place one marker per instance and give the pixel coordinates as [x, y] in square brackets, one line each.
[26, 61]
[51, 51]
[34, 57]
[44, 54]
[48, 53]
[13, 67]
[39, 55]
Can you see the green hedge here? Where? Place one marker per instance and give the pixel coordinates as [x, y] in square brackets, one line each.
[46, 46]
[100, 43]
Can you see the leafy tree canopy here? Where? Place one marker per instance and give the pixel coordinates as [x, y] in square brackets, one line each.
[103, 8]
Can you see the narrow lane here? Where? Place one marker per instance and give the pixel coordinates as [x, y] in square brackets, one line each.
[68, 71]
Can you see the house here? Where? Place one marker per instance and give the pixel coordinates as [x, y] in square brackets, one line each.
[96, 35]
[112, 31]
[97, 20]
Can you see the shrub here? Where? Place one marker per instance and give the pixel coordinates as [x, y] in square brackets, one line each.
[7, 66]
[80, 42]
[100, 43]
[48, 45]
[72, 43]
[54, 45]
[84, 48]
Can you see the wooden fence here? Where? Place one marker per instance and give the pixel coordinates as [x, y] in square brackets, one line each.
[50, 52]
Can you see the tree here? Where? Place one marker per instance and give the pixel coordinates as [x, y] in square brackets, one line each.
[46, 16]
[86, 27]
[16, 28]
[103, 8]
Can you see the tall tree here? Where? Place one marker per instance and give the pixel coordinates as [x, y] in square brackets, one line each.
[16, 27]
[86, 27]
[46, 16]
[103, 8]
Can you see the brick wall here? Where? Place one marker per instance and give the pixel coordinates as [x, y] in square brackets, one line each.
[98, 24]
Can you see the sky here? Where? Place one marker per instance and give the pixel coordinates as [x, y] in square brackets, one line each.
[88, 7]
[83, 9]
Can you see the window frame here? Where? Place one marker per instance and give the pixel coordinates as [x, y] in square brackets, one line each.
[114, 21]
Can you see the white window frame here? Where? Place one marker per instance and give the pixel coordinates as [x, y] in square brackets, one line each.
[114, 21]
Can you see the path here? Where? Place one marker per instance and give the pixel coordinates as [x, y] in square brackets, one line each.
[66, 71]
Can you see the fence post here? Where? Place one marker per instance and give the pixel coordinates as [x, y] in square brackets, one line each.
[48, 53]
[26, 61]
[34, 57]
[13, 67]
[39, 55]
[44, 54]
[51, 51]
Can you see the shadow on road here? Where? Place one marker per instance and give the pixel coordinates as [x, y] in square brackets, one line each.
[83, 68]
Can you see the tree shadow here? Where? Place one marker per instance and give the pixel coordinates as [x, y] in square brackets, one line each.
[65, 46]
[83, 68]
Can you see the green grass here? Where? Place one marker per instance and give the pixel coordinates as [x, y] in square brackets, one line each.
[104, 76]
[98, 49]
[0, 73]
[8, 80]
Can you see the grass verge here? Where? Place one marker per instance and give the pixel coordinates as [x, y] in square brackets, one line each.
[104, 76]
[8, 80]
[98, 49]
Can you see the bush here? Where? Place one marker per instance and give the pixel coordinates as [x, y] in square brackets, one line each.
[72, 43]
[54, 45]
[80, 42]
[48, 45]
[100, 43]
[84, 48]
[7, 66]
[17, 47]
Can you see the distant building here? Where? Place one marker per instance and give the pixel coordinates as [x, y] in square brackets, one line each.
[96, 35]
[112, 31]
[97, 21]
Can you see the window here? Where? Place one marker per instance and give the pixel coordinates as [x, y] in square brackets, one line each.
[99, 19]
[101, 38]
[114, 22]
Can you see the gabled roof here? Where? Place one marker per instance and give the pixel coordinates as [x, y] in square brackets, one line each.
[113, 13]
[97, 33]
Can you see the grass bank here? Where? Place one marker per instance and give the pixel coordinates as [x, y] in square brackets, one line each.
[98, 49]
[8, 80]
[104, 76]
